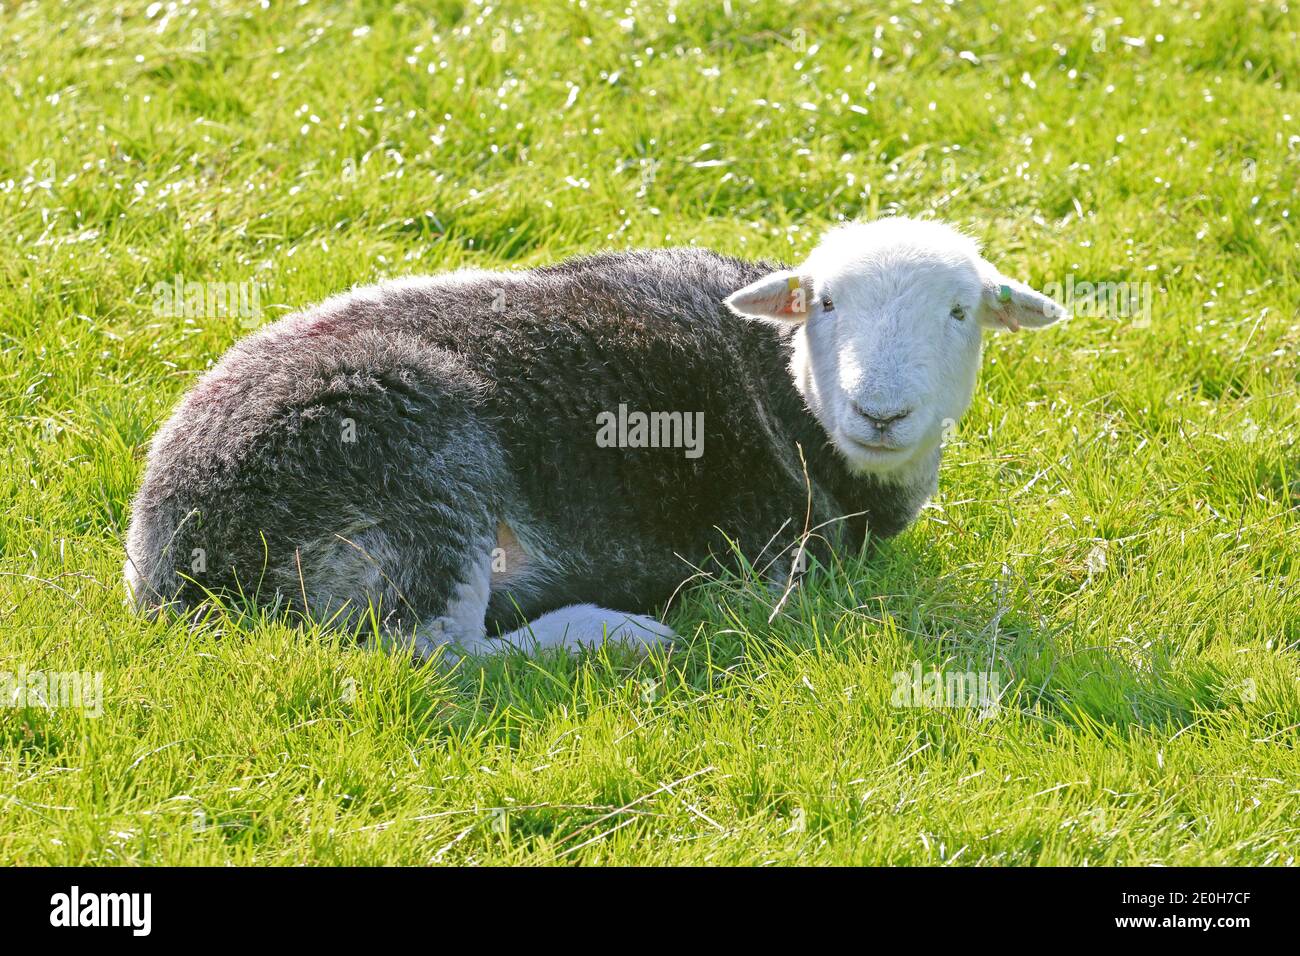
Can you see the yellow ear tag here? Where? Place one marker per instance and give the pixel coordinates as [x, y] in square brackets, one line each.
[797, 305]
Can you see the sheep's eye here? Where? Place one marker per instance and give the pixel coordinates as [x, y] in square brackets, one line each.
[958, 313]
[827, 304]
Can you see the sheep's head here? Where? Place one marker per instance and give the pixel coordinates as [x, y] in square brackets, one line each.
[888, 318]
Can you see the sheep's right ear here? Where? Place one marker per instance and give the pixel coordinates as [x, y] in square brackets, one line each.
[1008, 304]
[782, 296]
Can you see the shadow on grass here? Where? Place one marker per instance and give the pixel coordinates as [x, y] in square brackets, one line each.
[968, 621]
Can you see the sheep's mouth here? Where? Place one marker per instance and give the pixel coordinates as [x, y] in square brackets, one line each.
[873, 457]
[876, 448]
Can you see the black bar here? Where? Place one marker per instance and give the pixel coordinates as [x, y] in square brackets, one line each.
[339, 905]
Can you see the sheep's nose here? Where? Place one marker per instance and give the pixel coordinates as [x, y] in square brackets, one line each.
[882, 419]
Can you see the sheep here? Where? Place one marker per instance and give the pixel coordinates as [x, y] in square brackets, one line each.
[439, 453]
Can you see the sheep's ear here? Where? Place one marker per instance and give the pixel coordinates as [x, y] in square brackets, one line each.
[784, 296]
[1008, 304]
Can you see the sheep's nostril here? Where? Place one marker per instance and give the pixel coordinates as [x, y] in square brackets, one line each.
[881, 419]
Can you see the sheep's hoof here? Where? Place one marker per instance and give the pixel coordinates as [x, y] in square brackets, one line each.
[639, 629]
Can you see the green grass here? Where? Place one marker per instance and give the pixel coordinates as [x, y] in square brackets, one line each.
[1117, 531]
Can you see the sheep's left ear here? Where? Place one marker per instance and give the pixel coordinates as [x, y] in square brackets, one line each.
[783, 296]
[1008, 304]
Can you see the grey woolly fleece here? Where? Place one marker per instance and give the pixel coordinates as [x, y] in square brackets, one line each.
[370, 450]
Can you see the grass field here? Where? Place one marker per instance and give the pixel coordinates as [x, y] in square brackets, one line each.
[1116, 536]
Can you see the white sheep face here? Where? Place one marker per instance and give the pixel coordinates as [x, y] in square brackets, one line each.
[887, 348]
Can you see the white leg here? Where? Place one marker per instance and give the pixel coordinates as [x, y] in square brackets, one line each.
[461, 628]
[586, 625]
[462, 624]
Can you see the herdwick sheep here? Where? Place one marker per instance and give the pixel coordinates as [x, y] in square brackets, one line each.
[463, 454]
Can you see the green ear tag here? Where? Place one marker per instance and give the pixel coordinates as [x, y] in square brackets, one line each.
[793, 283]
[1004, 293]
